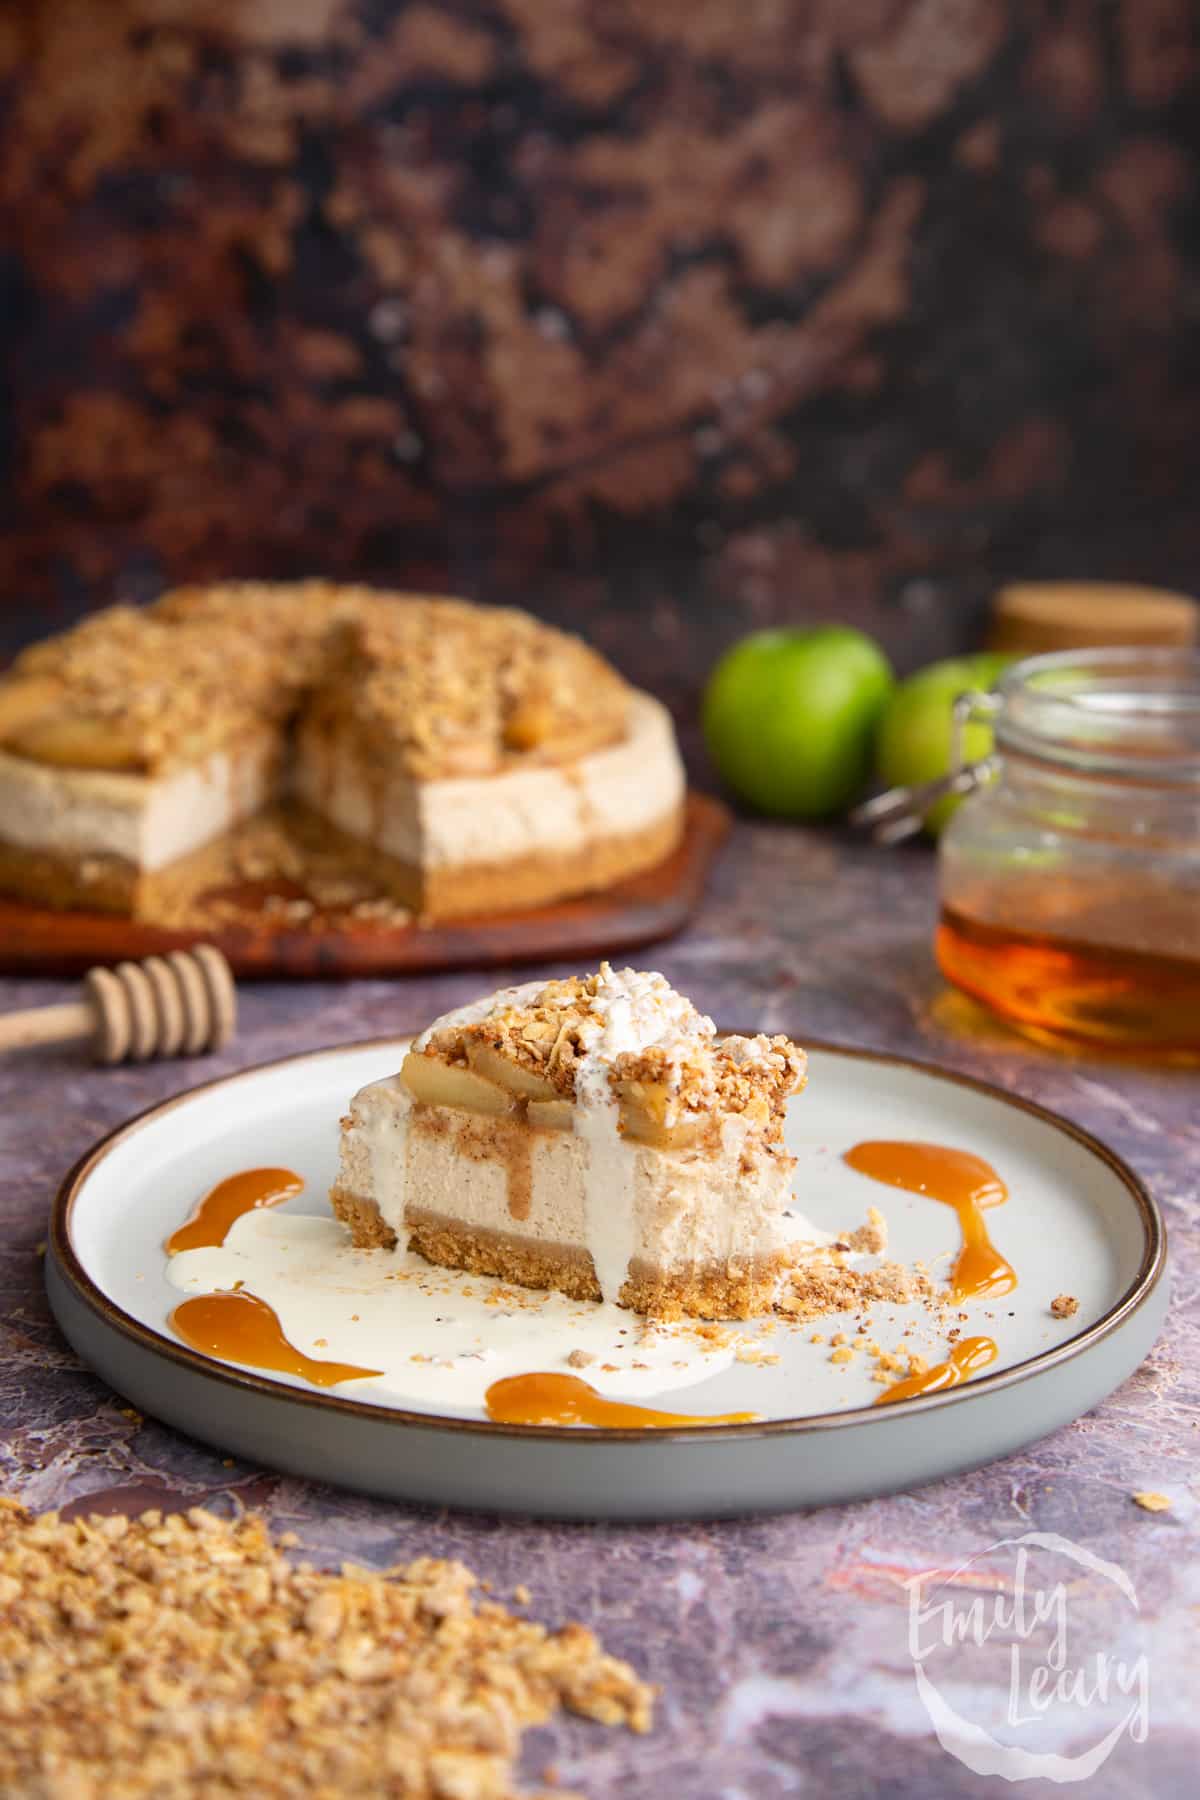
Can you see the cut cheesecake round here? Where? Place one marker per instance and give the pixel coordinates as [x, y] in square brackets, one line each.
[591, 1135]
[464, 758]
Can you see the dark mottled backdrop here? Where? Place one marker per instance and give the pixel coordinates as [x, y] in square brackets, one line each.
[710, 310]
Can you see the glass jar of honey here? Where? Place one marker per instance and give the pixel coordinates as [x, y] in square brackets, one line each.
[1070, 880]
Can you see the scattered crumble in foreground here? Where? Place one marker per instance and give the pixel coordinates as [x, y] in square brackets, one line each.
[1064, 1306]
[187, 1655]
[1152, 1502]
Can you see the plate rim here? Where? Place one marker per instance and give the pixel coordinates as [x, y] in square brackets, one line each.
[1150, 1271]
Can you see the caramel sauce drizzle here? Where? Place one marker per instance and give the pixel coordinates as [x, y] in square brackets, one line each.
[548, 1399]
[957, 1179]
[518, 1168]
[505, 1138]
[239, 1327]
[966, 1359]
[223, 1205]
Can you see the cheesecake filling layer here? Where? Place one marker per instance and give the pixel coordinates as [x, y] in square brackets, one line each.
[147, 821]
[486, 820]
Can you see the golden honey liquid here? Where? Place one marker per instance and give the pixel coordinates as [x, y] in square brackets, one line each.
[1076, 987]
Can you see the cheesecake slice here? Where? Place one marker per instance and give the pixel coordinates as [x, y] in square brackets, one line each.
[592, 1135]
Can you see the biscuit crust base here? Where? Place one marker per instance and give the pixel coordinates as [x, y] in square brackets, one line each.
[539, 879]
[720, 1291]
[112, 884]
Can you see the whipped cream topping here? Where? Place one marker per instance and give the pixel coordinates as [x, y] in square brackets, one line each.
[630, 1012]
[475, 1012]
[634, 1012]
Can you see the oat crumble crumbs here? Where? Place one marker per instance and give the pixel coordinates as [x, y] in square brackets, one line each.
[188, 1656]
[1064, 1306]
[697, 1076]
[824, 1285]
[438, 686]
[443, 688]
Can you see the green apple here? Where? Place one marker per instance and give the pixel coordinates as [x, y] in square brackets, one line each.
[789, 717]
[914, 739]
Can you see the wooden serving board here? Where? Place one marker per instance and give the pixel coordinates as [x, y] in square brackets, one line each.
[261, 939]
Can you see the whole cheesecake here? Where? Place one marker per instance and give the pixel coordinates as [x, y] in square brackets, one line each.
[592, 1135]
[469, 758]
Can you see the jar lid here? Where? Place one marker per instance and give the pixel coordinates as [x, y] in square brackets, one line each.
[1031, 617]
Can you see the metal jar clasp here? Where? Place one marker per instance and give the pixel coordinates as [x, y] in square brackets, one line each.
[900, 812]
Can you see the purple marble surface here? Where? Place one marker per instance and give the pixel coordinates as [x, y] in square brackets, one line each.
[782, 1644]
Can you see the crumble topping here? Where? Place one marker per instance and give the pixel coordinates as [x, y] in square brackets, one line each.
[445, 688]
[439, 686]
[1064, 1306]
[295, 618]
[189, 1655]
[648, 1041]
[124, 691]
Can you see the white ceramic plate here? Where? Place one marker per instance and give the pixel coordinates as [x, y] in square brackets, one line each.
[1077, 1220]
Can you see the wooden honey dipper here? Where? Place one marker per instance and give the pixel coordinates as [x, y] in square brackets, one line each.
[181, 1004]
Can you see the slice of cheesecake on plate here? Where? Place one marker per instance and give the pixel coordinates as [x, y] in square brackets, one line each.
[592, 1135]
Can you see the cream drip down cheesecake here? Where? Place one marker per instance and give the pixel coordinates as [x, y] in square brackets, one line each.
[592, 1135]
[469, 758]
